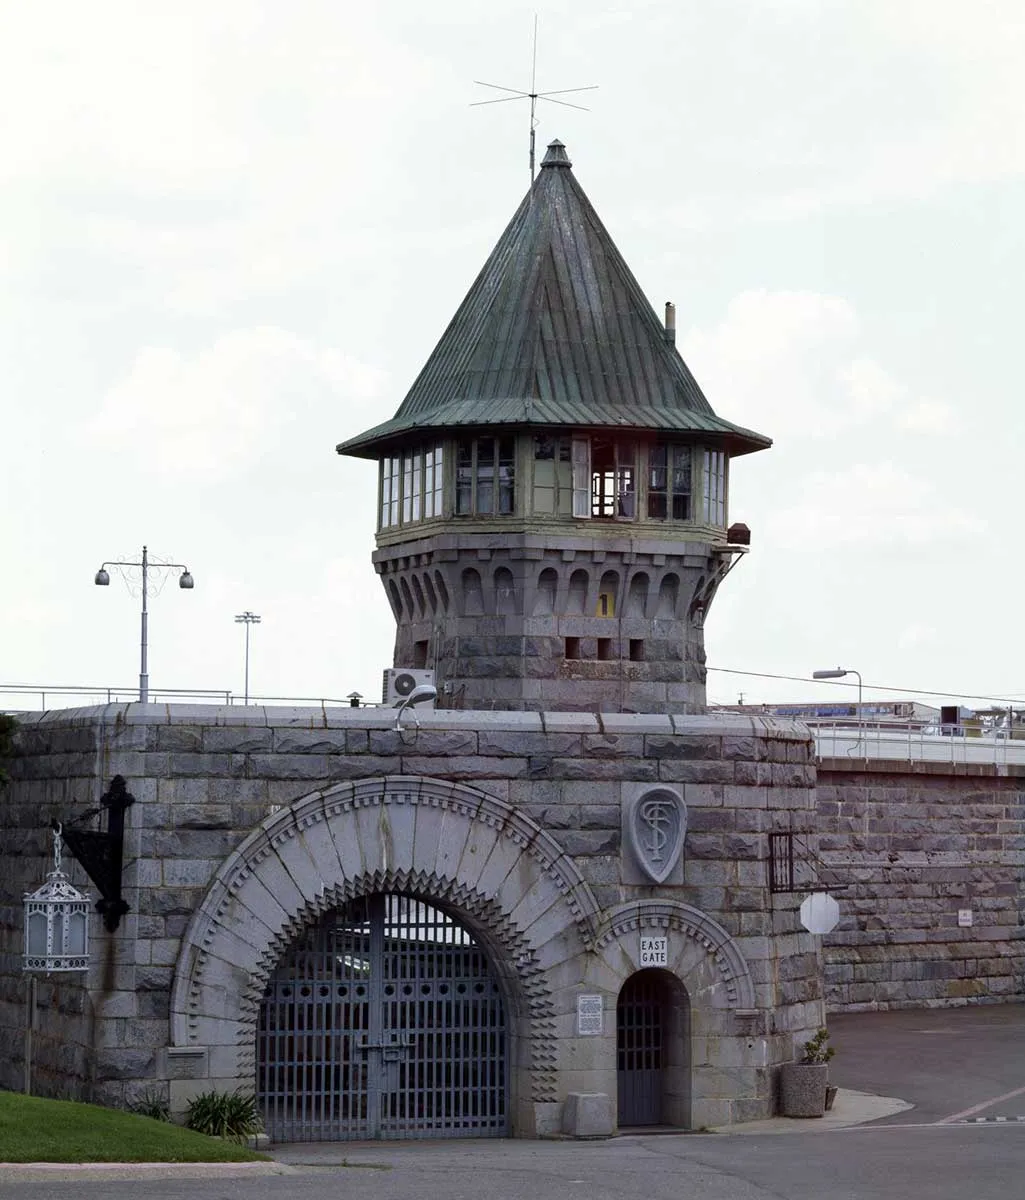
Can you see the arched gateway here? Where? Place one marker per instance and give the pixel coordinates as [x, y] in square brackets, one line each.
[391, 869]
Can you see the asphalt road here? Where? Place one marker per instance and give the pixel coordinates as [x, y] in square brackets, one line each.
[983, 1162]
[949, 1063]
[961, 1069]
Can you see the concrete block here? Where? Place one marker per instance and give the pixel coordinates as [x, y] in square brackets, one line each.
[588, 1115]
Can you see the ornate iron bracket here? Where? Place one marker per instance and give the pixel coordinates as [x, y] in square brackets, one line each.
[102, 854]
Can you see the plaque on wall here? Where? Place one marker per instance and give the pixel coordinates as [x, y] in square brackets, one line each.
[590, 1016]
[656, 825]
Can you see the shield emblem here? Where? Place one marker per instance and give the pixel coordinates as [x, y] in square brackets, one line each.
[656, 828]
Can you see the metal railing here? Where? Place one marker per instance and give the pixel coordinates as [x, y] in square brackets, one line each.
[917, 743]
[24, 697]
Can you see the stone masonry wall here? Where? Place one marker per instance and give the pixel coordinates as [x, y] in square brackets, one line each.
[915, 844]
[203, 777]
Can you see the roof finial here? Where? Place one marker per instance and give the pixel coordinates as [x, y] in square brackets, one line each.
[556, 156]
[533, 96]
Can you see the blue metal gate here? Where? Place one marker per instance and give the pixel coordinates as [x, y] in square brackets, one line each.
[384, 1020]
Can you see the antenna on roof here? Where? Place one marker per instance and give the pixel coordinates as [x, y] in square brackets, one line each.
[533, 96]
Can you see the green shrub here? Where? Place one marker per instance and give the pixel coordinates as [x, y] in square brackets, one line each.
[152, 1104]
[816, 1050]
[231, 1115]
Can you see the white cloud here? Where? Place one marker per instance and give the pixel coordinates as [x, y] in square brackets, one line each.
[969, 62]
[878, 504]
[791, 362]
[769, 361]
[929, 416]
[213, 415]
[869, 390]
[187, 92]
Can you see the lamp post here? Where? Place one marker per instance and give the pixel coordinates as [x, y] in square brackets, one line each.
[247, 618]
[185, 581]
[839, 673]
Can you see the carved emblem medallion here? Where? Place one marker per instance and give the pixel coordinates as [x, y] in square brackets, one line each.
[656, 827]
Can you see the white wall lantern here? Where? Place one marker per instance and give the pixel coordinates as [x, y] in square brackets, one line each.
[56, 922]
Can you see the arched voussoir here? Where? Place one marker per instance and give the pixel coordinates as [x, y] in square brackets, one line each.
[705, 947]
[489, 864]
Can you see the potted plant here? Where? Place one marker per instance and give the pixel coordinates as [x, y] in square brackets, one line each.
[803, 1084]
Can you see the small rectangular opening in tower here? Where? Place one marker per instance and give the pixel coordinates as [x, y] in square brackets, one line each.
[572, 647]
[419, 654]
[637, 649]
[605, 649]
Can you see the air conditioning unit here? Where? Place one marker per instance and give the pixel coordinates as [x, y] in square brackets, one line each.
[400, 681]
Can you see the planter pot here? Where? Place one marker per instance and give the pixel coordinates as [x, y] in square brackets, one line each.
[803, 1089]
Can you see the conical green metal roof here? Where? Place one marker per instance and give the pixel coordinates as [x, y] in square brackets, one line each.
[555, 332]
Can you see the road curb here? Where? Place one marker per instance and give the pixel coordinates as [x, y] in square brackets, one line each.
[26, 1172]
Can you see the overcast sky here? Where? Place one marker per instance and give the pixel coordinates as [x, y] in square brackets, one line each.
[231, 232]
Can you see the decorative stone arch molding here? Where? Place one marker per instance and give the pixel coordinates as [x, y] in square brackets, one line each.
[493, 867]
[706, 958]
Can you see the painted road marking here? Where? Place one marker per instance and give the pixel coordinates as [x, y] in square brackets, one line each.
[977, 1108]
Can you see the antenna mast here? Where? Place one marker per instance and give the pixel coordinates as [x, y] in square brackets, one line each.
[533, 96]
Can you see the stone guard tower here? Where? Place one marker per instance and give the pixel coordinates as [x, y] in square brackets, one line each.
[553, 494]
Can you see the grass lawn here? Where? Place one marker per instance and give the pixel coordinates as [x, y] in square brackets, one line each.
[35, 1130]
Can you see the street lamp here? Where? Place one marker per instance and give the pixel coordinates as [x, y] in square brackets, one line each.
[839, 673]
[185, 581]
[247, 618]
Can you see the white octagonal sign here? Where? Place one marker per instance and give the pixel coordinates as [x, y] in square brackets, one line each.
[820, 913]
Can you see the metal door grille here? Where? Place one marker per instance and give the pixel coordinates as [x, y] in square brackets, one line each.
[639, 1049]
[383, 1020]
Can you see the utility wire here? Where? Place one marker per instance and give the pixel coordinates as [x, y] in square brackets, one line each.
[877, 687]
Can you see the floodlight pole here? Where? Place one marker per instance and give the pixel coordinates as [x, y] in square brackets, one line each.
[247, 618]
[185, 581]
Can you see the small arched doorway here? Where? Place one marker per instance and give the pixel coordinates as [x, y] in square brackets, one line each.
[383, 1020]
[653, 1051]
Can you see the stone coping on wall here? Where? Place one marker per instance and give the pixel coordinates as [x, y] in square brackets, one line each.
[341, 717]
[902, 766]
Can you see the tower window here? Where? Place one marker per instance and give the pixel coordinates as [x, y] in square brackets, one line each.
[485, 476]
[605, 649]
[637, 649]
[572, 647]
[553, 476]
[714, 487]
[433, 481]
[411, 486]
[669, 482]
[391, 490]
[604, 478]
